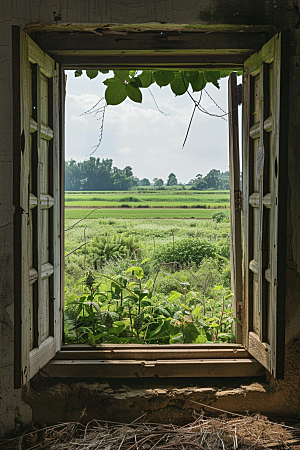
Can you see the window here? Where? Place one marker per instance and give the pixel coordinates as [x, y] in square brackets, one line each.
[38, 220]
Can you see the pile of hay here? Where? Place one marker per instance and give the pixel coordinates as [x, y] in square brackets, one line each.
[205, 433]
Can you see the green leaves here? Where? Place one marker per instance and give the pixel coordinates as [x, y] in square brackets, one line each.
[128, 83]
[164, 77]
[180, 85]
[121, 74]
[199, 83]
[133, 93]
[115, 92]
[146, 78]
[213, 77]
[91, 73]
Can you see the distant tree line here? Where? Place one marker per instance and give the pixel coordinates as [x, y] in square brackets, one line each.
[215, 179]
[95, 174]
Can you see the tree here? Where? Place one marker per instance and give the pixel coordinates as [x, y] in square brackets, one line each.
[158, 182]
[145, 182]
[172, 180]
[212, 179]
[96, 175]
[199, 183]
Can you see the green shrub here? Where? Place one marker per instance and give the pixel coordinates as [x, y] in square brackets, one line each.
[105, 248]
[220, 216]
[187, 252]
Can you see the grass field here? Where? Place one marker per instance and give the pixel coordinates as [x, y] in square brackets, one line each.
[150, 199]
[184, 276]
[140, 213]
[150, 234]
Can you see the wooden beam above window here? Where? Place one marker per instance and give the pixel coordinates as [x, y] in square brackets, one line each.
[107, 48]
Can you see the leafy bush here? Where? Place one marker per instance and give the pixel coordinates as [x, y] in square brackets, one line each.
[220, 216]
[105, 248]
[186, 252]
[123, 309]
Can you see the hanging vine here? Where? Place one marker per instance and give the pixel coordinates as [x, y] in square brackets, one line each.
[130, 83]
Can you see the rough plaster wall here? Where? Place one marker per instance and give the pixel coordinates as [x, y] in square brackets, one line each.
[142, 11]
[167, 400]
[25, 12]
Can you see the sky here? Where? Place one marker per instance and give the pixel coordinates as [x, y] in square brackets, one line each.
[140, 136]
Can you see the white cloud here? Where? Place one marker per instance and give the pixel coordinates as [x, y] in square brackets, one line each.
[142, 137]
[84, 101]
[125, 150]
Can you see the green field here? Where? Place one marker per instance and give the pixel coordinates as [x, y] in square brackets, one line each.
[146, 269]
[140, 213]
[149, 199]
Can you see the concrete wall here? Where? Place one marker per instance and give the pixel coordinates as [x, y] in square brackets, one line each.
[205, 12]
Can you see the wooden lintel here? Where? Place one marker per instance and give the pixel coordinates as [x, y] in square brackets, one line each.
[118, 28]
[150, 40]
[245, 367]
[151, 48]
[159, 59]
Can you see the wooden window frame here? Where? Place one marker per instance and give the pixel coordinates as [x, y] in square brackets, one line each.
[126, 361]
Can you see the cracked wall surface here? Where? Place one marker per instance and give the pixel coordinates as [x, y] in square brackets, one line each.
[54, 13]
[164, 400]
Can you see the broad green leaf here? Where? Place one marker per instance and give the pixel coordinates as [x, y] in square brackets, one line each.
[164, 77]
[141, 292]
[91, 74]
[135, 82]
[115, 93]
[104, 71]
[199, 84]
[164, 311]
[186, 307]
[132, 73]
[145, 260]
[147, 78]
[78, 73]
[190, 332]
[133, 93]
[239, 73]
[109, 81]
[213, 76]
[121, 74]
[174, 295]
[225, 73]
[237, 321]
[192, 75]
[219, 288]
[73, 297]
[149, 284]
[196, 311]
[180, 85]
[136, 271]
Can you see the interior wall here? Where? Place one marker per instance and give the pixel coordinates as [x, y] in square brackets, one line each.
[56, 13]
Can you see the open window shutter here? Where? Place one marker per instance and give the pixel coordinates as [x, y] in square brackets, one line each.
[265, 125]
[234, 100]
[39, 202]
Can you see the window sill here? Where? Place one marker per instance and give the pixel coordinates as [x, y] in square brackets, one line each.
[167, 361]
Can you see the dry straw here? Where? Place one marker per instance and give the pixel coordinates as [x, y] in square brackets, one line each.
[205, 433]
